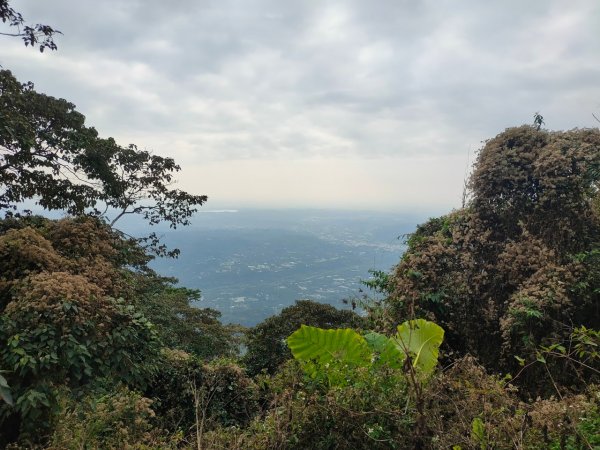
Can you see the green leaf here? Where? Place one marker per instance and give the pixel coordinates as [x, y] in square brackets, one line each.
[521, 360]
[422, 340]
[5, 391]
[388, 351]
[478, 432]
[344, 345]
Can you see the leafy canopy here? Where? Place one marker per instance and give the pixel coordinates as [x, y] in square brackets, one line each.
[47, 153]
[179, 323]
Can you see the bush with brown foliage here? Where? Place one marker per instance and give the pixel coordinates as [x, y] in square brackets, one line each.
[465, 408]
[516, 268]
[374, 412]
[118, 419]
[465, 395]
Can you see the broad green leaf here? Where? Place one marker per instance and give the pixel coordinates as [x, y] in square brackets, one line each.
[478, 432]
[344, 345]
[388, 351]
[5, 391]
[422, 339]
[377, 342]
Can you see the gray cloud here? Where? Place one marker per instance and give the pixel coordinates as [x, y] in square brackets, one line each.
[288, 80]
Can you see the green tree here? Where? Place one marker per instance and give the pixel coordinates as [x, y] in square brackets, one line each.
[47, 153]
[184, 326]
[60, 330]
[66, 316]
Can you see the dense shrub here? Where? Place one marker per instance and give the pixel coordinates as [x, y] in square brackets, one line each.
[24, 252]
[473, 410]
[373, 412]
[119, 419]
[464, 407]
[466, 393]
[188, 393]
[541, 181]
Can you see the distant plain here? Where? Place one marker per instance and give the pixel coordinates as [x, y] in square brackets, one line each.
[249, 264]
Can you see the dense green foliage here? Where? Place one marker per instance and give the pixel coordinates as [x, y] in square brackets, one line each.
[98, 351]
[182, 325]
[71, 315]
[334, 355]
[108, 418]
[327, 346]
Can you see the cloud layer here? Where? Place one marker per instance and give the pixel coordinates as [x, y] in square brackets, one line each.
[337, 98]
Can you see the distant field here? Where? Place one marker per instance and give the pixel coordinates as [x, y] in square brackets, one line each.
[251, 264]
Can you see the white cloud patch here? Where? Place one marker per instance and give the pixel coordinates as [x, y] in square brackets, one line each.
[336, 92]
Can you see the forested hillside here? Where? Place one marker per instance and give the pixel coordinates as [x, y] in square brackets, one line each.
[485, 335]
[97, 350]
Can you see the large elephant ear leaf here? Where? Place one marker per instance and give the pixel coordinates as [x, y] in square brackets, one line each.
[316, 344]
[422, 339]
[5, 391]
[387, 351]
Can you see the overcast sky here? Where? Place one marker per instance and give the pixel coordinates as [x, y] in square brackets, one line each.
[329, 104]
